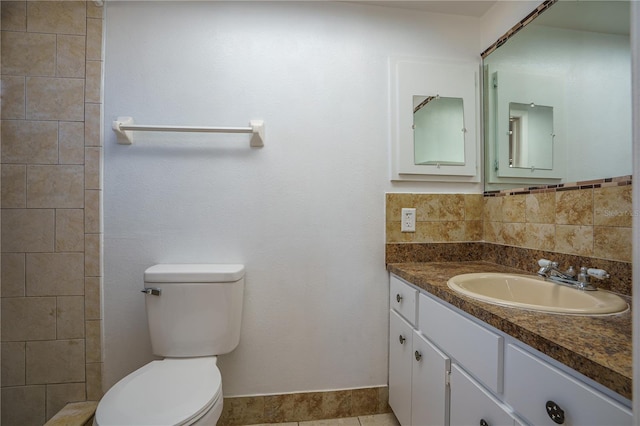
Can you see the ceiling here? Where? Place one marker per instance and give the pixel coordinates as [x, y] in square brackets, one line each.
[475, 8]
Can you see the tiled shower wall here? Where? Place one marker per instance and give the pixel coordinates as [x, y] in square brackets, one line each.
[588, 220]
[51, 207]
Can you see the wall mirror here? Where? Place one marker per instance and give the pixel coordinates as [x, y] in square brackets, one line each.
[434, 111]
[573, 63]
[438, 130]
[530, 136]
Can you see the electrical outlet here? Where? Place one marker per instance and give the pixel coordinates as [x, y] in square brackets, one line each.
[408, 220]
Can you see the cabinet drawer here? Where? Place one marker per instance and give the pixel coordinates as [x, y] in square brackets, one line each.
[530, 383]
[403, 299]
[471, 404]
[477, 349]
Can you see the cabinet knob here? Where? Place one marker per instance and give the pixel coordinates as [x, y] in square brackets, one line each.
[555, 412]
[402, 339]
[398, 298]
[418, 356]
[483, 422]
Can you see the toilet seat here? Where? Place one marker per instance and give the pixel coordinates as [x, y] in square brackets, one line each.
[167, 392]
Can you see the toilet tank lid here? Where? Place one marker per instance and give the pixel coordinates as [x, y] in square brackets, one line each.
[194, 273]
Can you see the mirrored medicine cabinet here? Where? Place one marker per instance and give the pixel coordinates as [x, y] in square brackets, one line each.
[556, 98]
[434, 108]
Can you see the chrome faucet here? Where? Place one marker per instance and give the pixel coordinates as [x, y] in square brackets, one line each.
[549, 270]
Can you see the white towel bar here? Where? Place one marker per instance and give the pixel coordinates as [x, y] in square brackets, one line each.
[123, 127]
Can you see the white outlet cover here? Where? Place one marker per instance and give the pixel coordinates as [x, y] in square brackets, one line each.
[408, 220]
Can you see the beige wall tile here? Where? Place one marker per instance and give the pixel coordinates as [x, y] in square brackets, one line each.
[492, 232]
[513, 234]
[251, 410]
[59, 395]
[513, 208]
[336, 404]
[365, 401]
[13, 274]
[93, 168]
[71, 142]
[94, 381]
[435, 232]
[395, 235]
[92, 308]
[55, 361]
[94, 11]
[473, 206]
[24, 406]
[29, 142]
[55, 186]
[94, 39]
[14, 15]
[93, 342]
[51, 98]
[93, 125]
[13, 363]
[493, 209]
[55, 274]
[540, 236]
[28, 53]
[70, 57]
[92, 258]
[13, 96]
[69, 230]
[473, 230]
[28, 318]
[573, 239]
[541, 207]
[439, 207]
[70, 317]
[613, 206]
[25, 230]
[613, 243]
[395, 203]
[574, 207]
[62, 17]
[92, 213]
[14, 186]
[93, 85]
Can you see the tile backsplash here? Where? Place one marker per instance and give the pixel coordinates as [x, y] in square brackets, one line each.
[592, 220]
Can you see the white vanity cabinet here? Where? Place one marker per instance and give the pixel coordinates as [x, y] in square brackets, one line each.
[418, 370]
[471, 404]
[448, 368]
[538, 391]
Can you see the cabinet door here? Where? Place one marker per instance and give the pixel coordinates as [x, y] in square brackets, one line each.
[539, 392]
[471, 405]
[429, 390]
[400, 353]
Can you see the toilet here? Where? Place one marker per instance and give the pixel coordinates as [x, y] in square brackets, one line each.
[194, 313]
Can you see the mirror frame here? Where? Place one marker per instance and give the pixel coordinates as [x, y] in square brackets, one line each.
[419, 76]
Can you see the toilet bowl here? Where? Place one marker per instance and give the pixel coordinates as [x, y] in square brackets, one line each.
[194, 315]
[172, 392]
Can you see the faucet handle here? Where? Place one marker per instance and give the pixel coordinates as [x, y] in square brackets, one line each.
[545, 262]
[600, 274]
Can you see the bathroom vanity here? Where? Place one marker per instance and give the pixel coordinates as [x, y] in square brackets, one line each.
[457, 361]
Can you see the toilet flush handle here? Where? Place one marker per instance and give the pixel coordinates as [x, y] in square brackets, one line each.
[152, 291]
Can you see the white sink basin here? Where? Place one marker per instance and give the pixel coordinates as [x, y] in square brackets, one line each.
[534, 293]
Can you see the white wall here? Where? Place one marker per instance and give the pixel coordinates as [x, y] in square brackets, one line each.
[305, 214]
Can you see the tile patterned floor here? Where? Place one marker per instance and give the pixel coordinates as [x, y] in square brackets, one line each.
[374, 420]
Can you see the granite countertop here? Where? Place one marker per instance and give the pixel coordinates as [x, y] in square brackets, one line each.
[600, 347]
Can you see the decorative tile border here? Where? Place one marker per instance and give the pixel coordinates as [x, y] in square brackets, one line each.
[517, 27]
[572, 186]
[305, 406]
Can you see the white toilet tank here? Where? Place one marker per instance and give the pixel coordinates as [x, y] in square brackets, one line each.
[194, 309]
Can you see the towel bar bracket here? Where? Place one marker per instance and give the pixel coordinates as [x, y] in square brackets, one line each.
[124, 128]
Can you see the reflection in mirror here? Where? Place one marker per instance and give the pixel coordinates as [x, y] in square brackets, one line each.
[438, 130]
[530, 136]
[575, 57]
